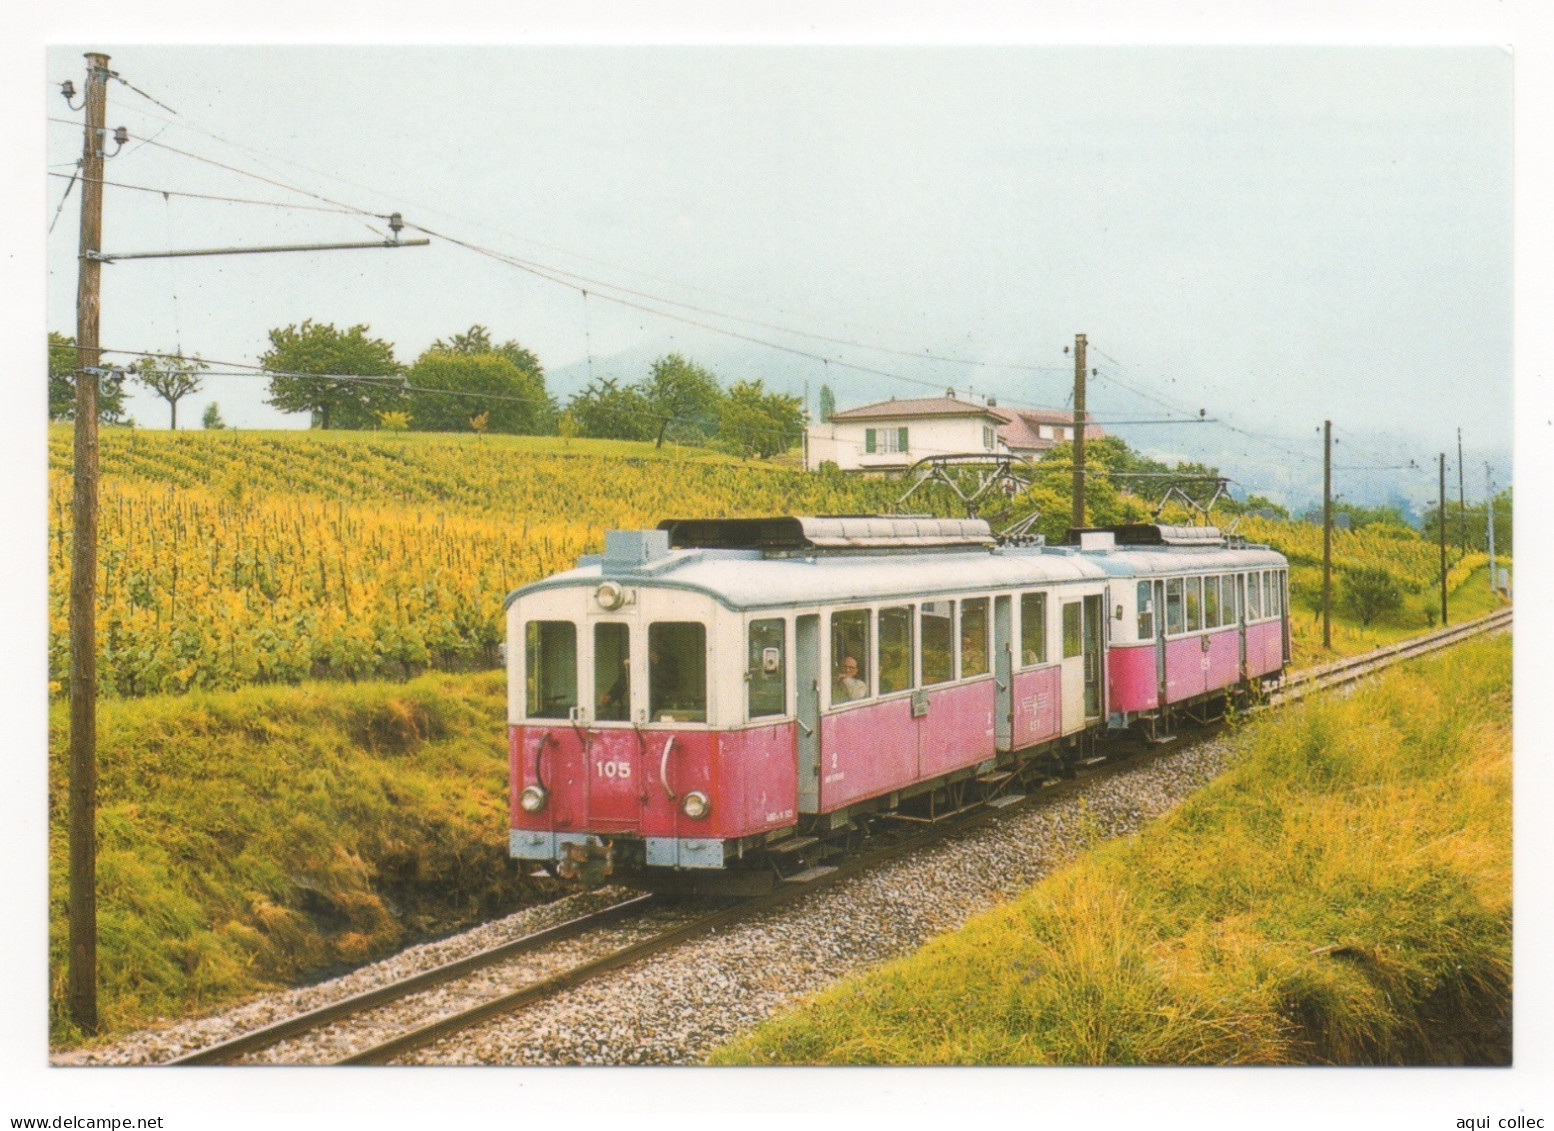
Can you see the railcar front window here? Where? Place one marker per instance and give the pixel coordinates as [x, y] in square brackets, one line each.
[612, 672]
[1146, 612]
[1211, 602]
[768, 670]
[1267, 596]
[937, 632]
[973, 637]
[550, 668]
[1033, 628]
[677, 671]
[1194, 604]
[1278, 593]
[851, 650]
[1175, 621]
[895, 650]
[1073, 629]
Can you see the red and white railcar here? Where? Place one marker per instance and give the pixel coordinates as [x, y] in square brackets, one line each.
[717, 695]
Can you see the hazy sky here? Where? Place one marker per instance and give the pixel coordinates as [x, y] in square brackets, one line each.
[1274, 235]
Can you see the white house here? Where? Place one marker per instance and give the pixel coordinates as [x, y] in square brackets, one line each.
[892, 435]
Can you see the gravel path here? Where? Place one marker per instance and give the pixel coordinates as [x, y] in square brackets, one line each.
[675, 1008]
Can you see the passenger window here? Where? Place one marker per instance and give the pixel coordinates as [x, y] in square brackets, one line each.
[1278, 593]
[1033, 628]
[1146, 612]
[895, 650]
[677, 671]
[550, 668]
[768, 670]
[1267, 595]
[1194, 604]
[1073, 636]
[973, 637]
[612, 672]
[937, 632]
[850, 652]
[1254, 599]
[1175, 621]
[1211, 602]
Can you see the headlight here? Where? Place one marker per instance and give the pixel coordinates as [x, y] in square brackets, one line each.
[696, 805]
[532, 799]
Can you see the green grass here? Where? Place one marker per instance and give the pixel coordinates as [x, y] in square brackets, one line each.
[255, 837]
[1340, 896]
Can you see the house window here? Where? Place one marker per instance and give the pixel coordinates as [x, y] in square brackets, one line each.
[884, 440]
[987, 436]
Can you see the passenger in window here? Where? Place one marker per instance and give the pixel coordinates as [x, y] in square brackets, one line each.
[612, 704]
[848, 685]
[664, 672]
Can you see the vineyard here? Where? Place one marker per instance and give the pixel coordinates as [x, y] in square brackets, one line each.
[233, 559]
[230, 559]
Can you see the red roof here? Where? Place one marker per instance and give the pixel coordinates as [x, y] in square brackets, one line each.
[923, 406]
[1018, 428]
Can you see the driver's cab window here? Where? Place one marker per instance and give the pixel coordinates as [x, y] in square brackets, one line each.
[550, 668]
[677, 672]
[612, 672]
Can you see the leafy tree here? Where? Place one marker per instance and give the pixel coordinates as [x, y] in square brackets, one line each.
[686, 398]
[449, 391]
[606, 410]
[477, 340]
[170, 378]
[1368, 593]
[62, 385]
[212, 418]
[335, 400]
[1472, 527]
[827, 403]
[754, 422]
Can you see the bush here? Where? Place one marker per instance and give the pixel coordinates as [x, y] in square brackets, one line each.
[1369, 593]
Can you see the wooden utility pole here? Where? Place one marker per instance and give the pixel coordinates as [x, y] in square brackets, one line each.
[1462, 501]
[1327, 534]
[1489, 508]
[1079, 431]
[82, 977]
[1442, 517]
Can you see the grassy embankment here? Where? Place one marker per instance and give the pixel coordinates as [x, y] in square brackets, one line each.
[250, 838]
[1342, 895]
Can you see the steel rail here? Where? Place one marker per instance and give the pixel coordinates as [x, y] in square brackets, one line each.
[230, 1050]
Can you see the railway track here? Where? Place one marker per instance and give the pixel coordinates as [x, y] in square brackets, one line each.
[438, 1003]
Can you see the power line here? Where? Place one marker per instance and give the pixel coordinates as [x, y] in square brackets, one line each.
[227, 199]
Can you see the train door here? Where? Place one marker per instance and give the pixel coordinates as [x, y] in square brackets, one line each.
[1094, 650]
[1003, 672]
[807, 668]
[612, 755]
[1160, 643]
[1073, 676]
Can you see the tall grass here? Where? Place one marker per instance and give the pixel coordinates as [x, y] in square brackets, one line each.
[1340, 896]
[253, 837]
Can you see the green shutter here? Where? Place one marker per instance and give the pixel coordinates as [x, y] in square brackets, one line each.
[868, 440]
[901, 437]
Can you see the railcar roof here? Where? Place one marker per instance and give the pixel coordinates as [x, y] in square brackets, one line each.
[747, 579]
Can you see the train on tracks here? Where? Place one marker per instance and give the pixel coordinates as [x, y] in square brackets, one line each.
[719, 704]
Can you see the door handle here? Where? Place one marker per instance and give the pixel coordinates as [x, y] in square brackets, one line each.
[806, 727]
[663, 768]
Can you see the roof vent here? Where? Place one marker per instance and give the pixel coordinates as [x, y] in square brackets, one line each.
[628, 550]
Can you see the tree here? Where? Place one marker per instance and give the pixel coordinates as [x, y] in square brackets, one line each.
[335, 401]
[212, 418]
[170, 378]
[62, 385]
[606, 410]
[827, 403]
[755, 422]
[686, 398]
[450, 390]
[1369, 593]
[477, 340]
